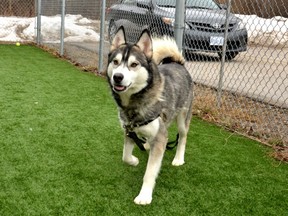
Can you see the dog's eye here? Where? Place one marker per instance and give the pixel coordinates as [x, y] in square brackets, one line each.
[134, 64]
[115, 62]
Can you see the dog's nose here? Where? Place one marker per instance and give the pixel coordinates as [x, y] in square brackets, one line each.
[118, 77]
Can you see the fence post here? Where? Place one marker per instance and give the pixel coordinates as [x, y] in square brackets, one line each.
[38, 38]
[102, 34]
[62, 28]
[179, 22]
[220, 83]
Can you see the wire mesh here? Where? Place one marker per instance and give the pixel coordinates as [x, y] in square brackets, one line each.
[254, 94]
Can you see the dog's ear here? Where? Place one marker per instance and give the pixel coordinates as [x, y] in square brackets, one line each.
[118, 39]
[145, 43]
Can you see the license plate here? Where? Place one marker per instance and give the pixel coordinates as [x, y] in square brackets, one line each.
[216, 41]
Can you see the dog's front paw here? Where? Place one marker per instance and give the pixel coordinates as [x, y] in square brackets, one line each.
[143, 199]
[178, 162]
[146, 146]
[133, 161]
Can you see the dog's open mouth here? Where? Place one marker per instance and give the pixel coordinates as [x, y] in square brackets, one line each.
[119, 88]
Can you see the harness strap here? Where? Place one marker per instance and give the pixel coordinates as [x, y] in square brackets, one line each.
[169, 145]
[131, 126]
[139, 142]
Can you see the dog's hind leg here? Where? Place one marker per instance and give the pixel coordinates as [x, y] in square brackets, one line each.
[127, 152]
[183, 122]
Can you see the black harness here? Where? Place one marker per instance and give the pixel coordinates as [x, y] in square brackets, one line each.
[129, 130]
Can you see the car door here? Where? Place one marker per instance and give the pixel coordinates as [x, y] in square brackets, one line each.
[124, 16]
[137, 16]
[141, 16]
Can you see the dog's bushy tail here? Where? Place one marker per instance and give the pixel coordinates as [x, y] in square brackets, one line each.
[165, 50]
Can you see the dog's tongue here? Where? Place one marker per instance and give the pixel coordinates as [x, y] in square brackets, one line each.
[119, 88]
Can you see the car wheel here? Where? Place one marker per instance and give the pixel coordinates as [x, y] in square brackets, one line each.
[112, 30]
[229, 55]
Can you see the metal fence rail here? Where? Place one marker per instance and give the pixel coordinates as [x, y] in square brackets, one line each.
[245, 91]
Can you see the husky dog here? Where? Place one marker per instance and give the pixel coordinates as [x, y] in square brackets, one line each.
[151, 88]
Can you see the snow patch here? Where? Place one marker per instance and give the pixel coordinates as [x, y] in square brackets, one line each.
[265, 32]
[77, 28]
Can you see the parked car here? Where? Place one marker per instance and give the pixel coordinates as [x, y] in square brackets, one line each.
[204, 24]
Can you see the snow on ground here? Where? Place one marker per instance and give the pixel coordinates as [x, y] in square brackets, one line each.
[77, 29]
[261, 31]
[267, 32]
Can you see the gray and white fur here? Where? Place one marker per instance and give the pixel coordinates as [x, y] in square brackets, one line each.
[151, 88]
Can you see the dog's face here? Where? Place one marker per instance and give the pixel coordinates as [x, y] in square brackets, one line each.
[128, 65]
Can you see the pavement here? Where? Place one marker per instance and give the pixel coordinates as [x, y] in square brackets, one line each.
[260, 73]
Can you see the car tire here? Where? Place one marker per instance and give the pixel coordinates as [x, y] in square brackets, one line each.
[229, 55]
[112, 29]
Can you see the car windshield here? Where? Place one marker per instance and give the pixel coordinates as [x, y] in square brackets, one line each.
[205, 4]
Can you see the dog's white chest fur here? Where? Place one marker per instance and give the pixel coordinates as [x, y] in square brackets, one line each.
[148, 131]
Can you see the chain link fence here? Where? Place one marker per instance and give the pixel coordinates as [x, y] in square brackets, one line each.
[243, 87]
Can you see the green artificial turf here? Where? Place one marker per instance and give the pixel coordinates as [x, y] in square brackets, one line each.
[61, 148]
